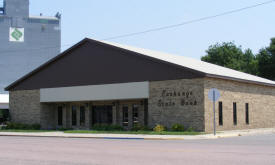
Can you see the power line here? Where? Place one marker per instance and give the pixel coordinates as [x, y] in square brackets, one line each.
[189, 22]
[163, 27]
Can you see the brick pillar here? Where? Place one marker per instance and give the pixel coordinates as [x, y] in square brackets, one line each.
[130, 116]
[118, 114]
[87, 116]
[141, 114]
[69, 116]
[115, 113]
[146, 112]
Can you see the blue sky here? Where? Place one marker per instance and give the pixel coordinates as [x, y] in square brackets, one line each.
[101, 19]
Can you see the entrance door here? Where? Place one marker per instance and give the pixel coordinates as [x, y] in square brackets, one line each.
[102, 115]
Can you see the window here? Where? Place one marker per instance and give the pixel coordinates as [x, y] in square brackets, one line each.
[60, 115]
[220, 114]
[74, 115]
[82, 115]
[125, 115]
[135, 114]
[247, 113]
[235, 113]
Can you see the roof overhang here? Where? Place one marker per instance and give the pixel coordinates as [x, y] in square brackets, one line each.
[239, 80]
[123, 91]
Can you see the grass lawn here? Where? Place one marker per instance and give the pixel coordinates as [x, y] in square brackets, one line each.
[134, 132]
[25, 131]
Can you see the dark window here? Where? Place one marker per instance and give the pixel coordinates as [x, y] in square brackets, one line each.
[247, 113]
[60, 115]
[125, 115]
[102, 115]
[74, 115]
[135, 114]
[82, 115]
[235, 113]
[220, 114]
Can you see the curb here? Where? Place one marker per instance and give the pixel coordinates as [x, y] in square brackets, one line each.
[91, 137]
[113, 138]
[83, 137]
[126, 137]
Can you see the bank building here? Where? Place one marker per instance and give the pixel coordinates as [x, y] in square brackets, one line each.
[97, 82]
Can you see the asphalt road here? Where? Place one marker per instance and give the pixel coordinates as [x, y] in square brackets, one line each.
[74, 151]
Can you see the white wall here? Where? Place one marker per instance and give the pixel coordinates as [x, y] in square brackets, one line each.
[136, 90]
[4, 101]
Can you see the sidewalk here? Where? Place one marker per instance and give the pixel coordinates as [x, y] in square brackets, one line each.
[223, 134]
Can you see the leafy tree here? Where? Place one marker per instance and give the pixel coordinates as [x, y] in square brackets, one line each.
[250, 63]
[229, 55]
[266, 60]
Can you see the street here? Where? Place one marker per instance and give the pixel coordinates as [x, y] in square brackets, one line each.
[83, 151]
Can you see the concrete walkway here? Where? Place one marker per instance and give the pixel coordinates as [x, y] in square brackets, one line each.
[223, 134]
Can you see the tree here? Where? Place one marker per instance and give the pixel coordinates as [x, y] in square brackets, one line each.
[229, 55]
[250, 63]
[266, 60]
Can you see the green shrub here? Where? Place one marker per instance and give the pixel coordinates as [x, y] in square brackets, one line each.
[159, 128]
[177, 128]
[63, 129]
[114, 127]
[36, 126]
[99, 127]
[106, 127]
[190, 129]
[3, 127]
[139, 127]
[11, 125]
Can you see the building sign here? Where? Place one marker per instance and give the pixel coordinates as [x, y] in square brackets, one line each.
[16, 34]
[175, 98]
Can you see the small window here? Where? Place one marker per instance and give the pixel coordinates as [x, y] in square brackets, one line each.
[247, 113]
[60, 115]
[74, 115]
[235, 113]
[135, 114]
[82, 115]
[220, 114]
[125, 115]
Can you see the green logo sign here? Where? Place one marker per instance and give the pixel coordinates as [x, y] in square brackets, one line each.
[16, 34]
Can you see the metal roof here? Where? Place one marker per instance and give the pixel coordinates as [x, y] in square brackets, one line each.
[211, 70]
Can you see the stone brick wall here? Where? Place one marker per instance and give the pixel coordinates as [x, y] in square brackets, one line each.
[48, 117]
[261, 100]
[25, 106]
[177, 101]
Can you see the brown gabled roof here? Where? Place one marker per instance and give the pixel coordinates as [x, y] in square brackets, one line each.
[170, 70]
